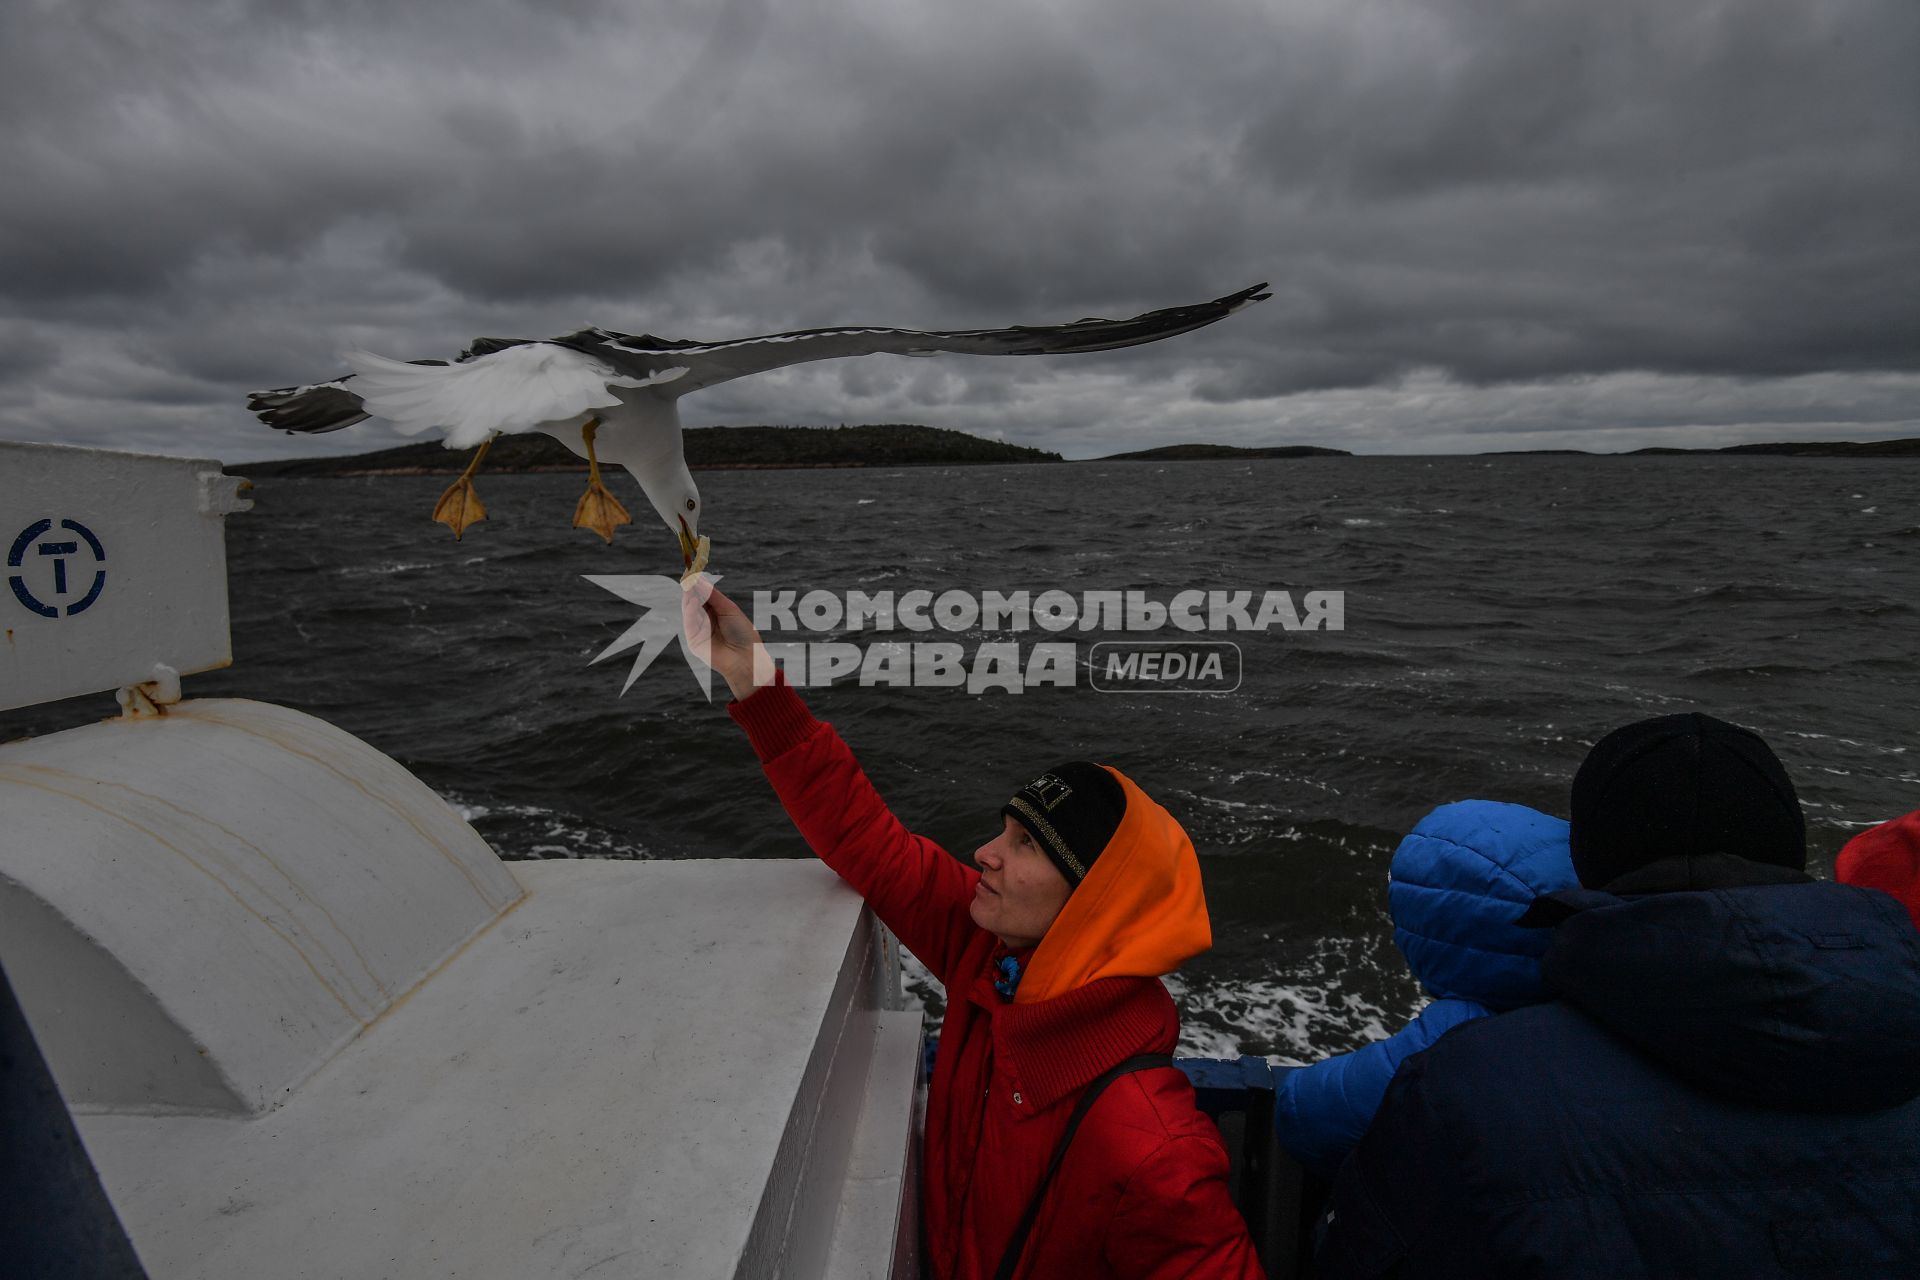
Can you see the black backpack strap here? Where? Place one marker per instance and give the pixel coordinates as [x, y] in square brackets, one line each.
[1010, 1260]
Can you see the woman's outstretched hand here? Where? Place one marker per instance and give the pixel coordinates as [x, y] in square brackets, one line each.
[724, 638]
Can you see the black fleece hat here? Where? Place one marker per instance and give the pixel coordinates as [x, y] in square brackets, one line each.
[1677, 785]
[1072, 810]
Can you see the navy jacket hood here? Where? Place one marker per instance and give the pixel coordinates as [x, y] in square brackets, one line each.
[1803, 997]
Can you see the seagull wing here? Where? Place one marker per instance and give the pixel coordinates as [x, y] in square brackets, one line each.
[709, 363]
[334, 404]
[515, 384]
[515, 388]
[311, 409]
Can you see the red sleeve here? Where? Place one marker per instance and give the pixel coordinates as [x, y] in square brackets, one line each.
[916, 888]
[1176, 1218]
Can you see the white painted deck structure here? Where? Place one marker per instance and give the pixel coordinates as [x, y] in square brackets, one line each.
[311, 1026]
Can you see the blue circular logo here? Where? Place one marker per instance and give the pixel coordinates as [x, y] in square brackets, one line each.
[68, 595]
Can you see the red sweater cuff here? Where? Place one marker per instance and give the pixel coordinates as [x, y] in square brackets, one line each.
[775, 718]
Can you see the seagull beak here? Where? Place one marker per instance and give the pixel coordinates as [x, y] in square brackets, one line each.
[688, 544]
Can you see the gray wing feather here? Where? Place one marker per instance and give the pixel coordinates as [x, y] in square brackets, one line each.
[308, 410]
[709, 363]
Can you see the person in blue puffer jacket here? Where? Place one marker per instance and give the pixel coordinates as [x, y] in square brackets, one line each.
[1459, 883]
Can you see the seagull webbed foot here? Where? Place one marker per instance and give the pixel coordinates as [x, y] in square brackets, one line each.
[599, 510]
[460, 505]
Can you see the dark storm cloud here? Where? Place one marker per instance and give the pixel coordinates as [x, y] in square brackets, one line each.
[1523, 219]
[1701, 188]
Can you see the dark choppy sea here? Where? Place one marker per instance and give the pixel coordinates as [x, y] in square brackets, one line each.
[1501, 614]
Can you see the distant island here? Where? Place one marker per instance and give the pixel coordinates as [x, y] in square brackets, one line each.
[1812, 449]
[1809, 449]
[1788, 449]
[1209, 452]
[894, 444]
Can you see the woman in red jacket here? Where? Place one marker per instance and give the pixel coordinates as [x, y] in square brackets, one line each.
[1051, 952]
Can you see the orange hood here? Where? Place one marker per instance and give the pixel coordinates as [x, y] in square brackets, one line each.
[1140, 912]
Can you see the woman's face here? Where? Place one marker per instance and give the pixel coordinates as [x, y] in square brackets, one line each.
[1020, 890]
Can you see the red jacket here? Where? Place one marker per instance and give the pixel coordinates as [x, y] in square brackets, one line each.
[1886, 858]
[1143, 1190]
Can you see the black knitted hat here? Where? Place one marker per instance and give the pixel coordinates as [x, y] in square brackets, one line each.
[1677, 785]
[1072, 810]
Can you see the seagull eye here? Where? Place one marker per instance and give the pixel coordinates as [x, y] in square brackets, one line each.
[690, 504]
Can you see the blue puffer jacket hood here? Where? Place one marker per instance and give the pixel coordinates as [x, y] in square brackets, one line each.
[1460, 882]
[1797, 996]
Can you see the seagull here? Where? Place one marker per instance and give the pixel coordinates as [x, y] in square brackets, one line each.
[615, 396]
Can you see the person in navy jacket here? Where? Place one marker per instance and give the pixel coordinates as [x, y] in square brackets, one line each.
[1460, 882]
[1727, 1082]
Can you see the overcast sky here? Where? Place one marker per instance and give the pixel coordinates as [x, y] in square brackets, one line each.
[1488, 223]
